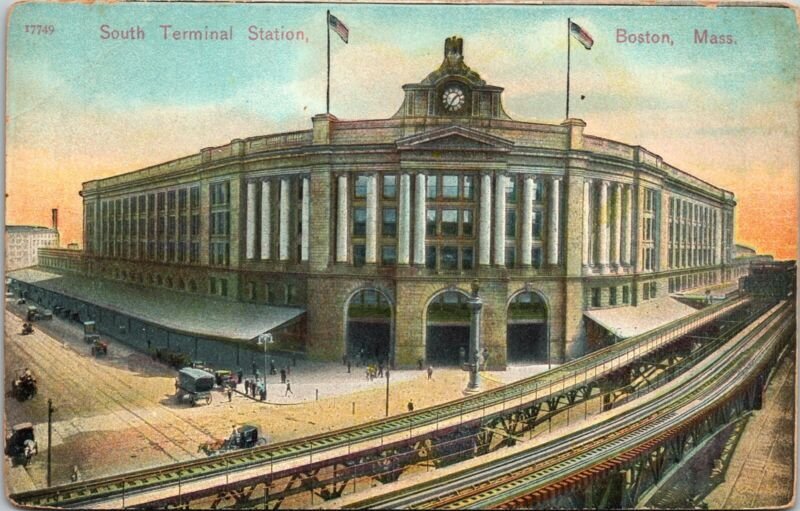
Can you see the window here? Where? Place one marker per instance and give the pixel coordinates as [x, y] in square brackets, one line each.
[466, 222]
[430, 258]
[626, 294]
[171, 200]
[220, 223]
[449, 258]
[360, 189]
[466, 258]
[219, 253]
[645, 291]
[536, 225]
[359, 221]
[449, 222]
[652, 290]
[389, 187]
[450, 187]
[467, 187]
[291, 293]
[182, 195]
[536, 257]
[612, 295]
[595, 297]
[430, 222]
[194, 197]
[511, 223]
[511, 189]
[432, 187]
[511, 254]
[359, 255]
[219, 193]
[389, 228]
[538, 190]
[388, 255]
[195, 225]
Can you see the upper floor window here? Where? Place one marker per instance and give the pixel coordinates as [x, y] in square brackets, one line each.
[389, 187]
[432, 187]
[359, 222]
[389, 222]
[360, 190]
[219, 193]
[511, 189]
[449, 187]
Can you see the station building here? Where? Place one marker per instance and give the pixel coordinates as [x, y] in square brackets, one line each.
[374, 229]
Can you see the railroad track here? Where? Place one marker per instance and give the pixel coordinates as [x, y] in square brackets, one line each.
[500, 482]
[150, 483]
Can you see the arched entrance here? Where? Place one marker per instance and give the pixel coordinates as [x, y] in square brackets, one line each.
[526, 330]
[369, 327]
[447, 329]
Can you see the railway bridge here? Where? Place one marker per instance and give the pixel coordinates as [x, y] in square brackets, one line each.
[340, 467]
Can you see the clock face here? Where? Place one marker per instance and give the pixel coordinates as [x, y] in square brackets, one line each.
[453, 98]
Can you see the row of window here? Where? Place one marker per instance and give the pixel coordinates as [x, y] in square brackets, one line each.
[276, 294]
[443, 187]
[677, 284]
[615, 293]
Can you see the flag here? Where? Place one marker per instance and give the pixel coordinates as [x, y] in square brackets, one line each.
[578, 33]
[338, 27]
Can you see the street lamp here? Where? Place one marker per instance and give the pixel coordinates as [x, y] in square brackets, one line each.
[475, 304]
[265, 340]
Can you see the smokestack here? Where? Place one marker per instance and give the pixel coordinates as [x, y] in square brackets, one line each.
[55, 219]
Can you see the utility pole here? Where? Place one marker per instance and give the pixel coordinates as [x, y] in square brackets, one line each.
[475, 304]
[50, 411]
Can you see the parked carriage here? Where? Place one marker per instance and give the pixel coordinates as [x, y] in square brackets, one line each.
[99, 348]
[243, 437]
[21, 444]
[194, 385]
[24, 386]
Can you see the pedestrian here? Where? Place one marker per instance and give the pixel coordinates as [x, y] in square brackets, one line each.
[263, 393]
[288, 388]
[380, 370]
[348, 366]
[230, 394]
[410, 405]
[239, 375]
[247, 386]
[75, 474]
[283, 375]
[253, 390]
[430, 372]
[419, 364]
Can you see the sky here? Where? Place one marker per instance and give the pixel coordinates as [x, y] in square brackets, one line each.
[80, 107]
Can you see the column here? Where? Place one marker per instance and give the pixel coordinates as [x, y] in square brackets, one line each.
[626, 231]
[602, 227]
[250, 225]
[266, 220]
[587, 225]
[342, 220]
[304, 216]
[527, 221]
[283, 252]
[616, 246]
[419, 221]
[553, 234]
[485, 220]
[372, 219]
[500, 220]
[404, 220]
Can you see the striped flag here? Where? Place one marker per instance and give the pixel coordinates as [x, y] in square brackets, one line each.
[338, 27]
[580, 34]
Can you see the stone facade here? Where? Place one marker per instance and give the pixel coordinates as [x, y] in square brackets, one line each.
[415, 207]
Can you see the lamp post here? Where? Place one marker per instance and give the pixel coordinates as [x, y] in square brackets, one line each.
[265, 340]
[475, 304]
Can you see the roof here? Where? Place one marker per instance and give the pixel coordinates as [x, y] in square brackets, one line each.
[195, 373]
[29, 228]
[180, 312]
[627, 322]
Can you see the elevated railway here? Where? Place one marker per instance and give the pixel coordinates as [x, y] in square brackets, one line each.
[325, 466]
[611, 463]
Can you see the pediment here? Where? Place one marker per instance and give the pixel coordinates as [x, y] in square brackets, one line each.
[454, 138]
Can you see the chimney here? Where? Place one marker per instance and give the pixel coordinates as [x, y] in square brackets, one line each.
[55, 219]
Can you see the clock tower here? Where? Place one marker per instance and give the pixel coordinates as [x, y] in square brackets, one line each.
[453, 90]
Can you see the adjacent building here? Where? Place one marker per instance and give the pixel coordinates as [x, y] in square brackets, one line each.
[376, 228]
[23, 241]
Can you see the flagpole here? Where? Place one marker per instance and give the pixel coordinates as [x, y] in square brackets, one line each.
[569, 21]
[328, 89]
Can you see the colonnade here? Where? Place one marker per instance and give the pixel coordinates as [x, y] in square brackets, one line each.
[264, 224]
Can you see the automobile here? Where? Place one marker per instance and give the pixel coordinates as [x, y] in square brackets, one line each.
[194, 385]
[223, 377]
[24, 386]
[243, 437]
[33, 313]
[21, 444]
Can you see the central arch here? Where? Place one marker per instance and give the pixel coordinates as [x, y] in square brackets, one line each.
[527, 336]
[368, 320]
[447, 328]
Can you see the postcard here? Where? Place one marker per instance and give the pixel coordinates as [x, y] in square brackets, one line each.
[378, 255]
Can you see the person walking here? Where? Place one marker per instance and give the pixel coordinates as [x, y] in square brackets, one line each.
[239, 375]
[230, 394]
[283, 375]
[348, 366]
[288, 389]
[410, 405]
[430, 372]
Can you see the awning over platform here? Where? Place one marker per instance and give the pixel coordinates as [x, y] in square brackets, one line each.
[181, 312]
[626, 322]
